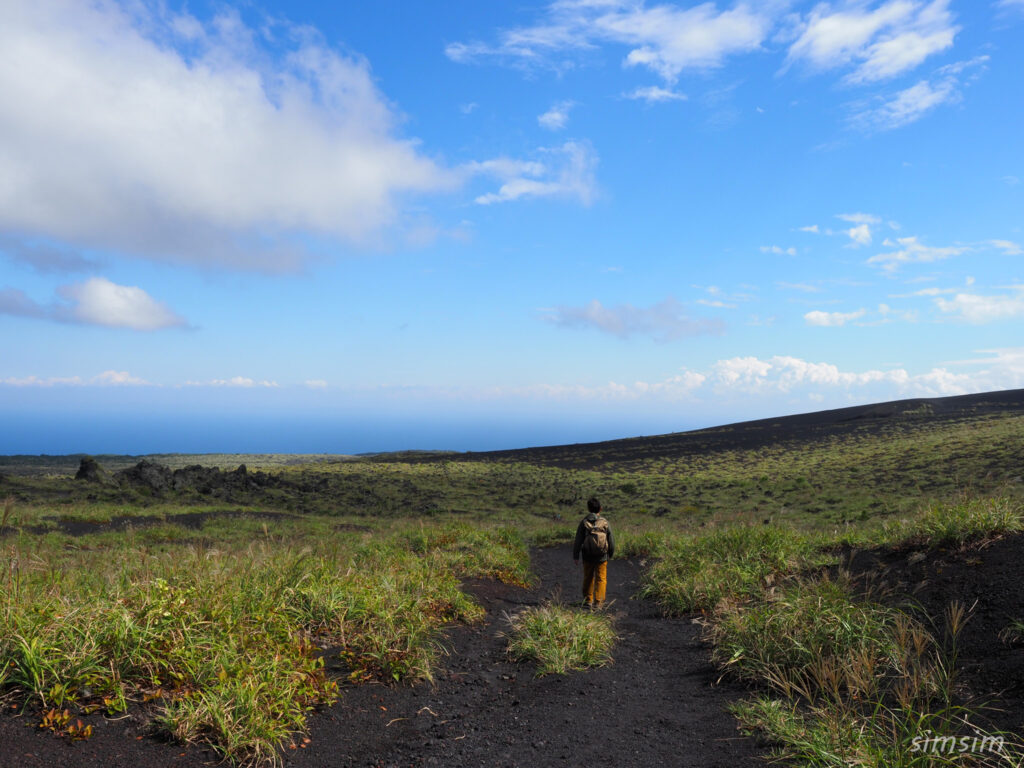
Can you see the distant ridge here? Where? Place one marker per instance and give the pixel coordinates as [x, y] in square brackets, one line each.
[804, 427]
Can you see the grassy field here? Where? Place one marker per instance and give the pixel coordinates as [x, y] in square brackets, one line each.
[211, 604]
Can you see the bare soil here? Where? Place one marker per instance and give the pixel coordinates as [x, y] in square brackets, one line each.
[987, 577]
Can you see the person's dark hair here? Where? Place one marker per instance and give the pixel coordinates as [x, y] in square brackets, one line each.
[593, 505]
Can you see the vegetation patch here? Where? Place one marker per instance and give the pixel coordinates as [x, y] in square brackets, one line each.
[560, 639]
[697, 572]
[847, 678]
[225, 643]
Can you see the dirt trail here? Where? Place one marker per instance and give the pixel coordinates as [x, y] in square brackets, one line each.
[655, 705]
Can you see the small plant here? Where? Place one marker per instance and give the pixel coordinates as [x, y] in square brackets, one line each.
[560, 639]
[959, 522]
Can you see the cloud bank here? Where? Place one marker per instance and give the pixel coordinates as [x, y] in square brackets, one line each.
[117, 140]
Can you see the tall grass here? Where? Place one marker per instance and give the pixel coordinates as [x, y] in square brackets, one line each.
[698, 572]
[846, 679]
[958, 522]
[560, 639]
[227, 642]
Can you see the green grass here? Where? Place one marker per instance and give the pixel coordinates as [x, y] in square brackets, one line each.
[848, 679]
[695, 573]
[225, 639]
[958, 522]
[560, 639]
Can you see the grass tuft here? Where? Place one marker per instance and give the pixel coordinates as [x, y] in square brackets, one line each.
[561, 639]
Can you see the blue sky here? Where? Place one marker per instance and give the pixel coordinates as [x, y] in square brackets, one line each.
[341, 227]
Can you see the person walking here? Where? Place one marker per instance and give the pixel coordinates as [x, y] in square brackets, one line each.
[595, 543]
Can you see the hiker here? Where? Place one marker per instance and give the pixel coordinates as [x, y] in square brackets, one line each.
[594, 541]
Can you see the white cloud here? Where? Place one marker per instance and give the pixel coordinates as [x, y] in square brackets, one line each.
[717, 303]
[96, 301]
[860, 233]
[832, 319]
[812, 228]
[880, 43]
[859, 218]
[105, 379]
[243, 382]
[556, 118]
[976, 309]
[655, 94]
[778, 250]
[1008, 247]
[923, 292]
[223, 155]
[913, 103]
[119, 379]
[664, 321]
[316, 384]
[907, 105]
[568, 171]
[664, 38]
[910, 250]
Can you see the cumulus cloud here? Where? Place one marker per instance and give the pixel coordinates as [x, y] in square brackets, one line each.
[978, 310]
[778, 250]
[880, 43]
[96, 301]
[666, 39]
[860, 233]
[556, 118]
[832, 319]
[316, 384]
[664, 321]
[911, 250]
[567, 171]
[226, 154]
[105, 379]
[243, 382]
[786, 375]
[655, 94]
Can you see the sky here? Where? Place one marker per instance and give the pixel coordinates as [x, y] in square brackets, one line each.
[342, 227]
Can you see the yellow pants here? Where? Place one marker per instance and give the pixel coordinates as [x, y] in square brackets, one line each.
[595, 581]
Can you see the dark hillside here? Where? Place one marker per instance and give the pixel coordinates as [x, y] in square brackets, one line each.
[899, 417]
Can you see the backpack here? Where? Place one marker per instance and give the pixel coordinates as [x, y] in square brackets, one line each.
[595, 539]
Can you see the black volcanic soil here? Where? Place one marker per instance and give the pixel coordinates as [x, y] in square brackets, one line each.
[988, 578]
[860, 420]
[656, 704]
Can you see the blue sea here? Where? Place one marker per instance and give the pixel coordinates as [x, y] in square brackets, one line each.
[112, 433]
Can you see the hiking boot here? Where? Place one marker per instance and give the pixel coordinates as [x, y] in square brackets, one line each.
[587, 606]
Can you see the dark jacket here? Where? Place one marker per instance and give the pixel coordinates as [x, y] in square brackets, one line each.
[581, 533]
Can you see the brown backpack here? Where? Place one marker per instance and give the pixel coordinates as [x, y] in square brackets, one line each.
[595, 540]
